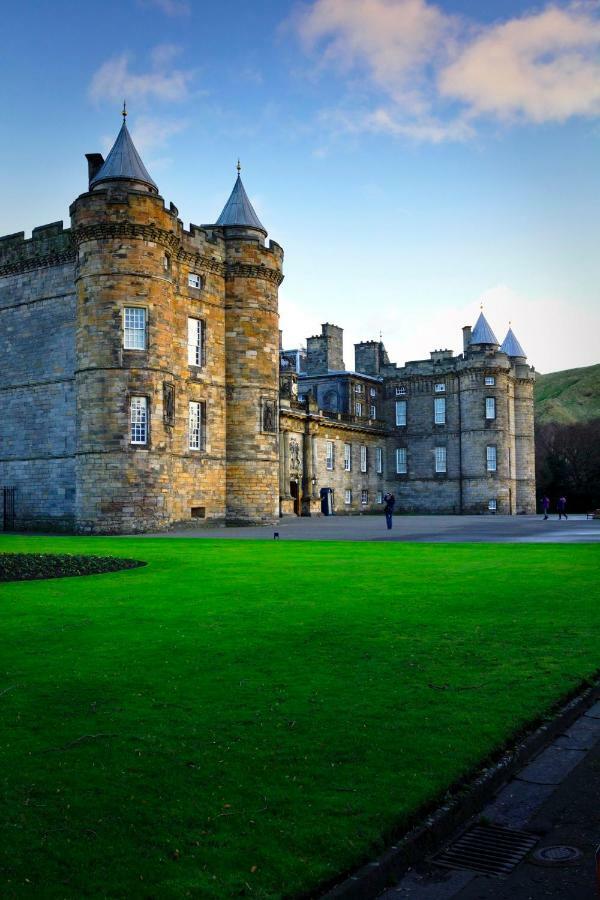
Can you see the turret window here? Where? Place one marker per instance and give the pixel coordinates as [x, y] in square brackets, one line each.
[195, 342]
[134, 328]
[400, 391]
[491, 458]
[490, 408]
[197, 425]
[400, 412]
[490, 380]
[195, 280]
[138, 418]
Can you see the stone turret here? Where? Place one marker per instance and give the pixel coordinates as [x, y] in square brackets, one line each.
[125, 240]
[251, 362]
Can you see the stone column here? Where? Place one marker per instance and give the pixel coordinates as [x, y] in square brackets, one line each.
[307, 465]
[286, 465]
[315, 468]
[282, 485]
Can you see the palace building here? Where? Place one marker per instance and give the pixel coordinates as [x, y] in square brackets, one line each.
[143, 384]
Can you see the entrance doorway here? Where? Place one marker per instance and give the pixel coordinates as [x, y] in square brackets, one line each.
[295, 493]
[327, 501]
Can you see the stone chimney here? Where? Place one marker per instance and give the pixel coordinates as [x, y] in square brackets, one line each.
[466, 337]
[324, 352]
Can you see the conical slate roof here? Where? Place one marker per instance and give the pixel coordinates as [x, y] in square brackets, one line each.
[238, 209]
[482, 333]
[511, 346]
[123, 162]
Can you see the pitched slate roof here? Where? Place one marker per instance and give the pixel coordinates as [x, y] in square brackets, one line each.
[238, 209]
[482, 333]
[511, 346]
[123, 162]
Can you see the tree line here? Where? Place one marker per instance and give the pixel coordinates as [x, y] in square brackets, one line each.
[567, 461]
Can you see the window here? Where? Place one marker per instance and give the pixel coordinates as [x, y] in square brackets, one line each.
[379, 496]
[329, 455]
[364, 497]
[195, 342]
[194, 280]
[440, 459]
[490, 380]
[400, 391]
[491, 458]
[440, 387]
[134, 328]
[439, 411]
[196, 425]
[372, 392]
[167, 262]
[138, 418]
[347, 457]
[358, 409]
[401, 467]
[347, 496]
[363, 458]
[490, 407]
[358, 388]
[400, 412]
[379, 460]
[373, 411]
[492, 505]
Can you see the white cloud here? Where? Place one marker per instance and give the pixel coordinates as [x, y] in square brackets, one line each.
[115, 80]
[414, 71]
[541, 67]
[150, 134]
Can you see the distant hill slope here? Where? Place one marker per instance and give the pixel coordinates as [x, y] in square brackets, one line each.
[569, 396]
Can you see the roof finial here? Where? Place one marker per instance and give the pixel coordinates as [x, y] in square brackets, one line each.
[481, 306]
[239, 168]
[124, 113]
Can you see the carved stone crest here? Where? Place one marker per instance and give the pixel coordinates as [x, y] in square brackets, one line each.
[269, 416]
[168, 403]
[294, 455]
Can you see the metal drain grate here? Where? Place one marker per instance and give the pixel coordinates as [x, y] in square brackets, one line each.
[489, 849]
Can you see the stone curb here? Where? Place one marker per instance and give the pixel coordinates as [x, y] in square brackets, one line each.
[373, 878]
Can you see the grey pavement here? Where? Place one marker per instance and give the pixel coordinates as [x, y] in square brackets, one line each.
[556, 797]
[576, 529]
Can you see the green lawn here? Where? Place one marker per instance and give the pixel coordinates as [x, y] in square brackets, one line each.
[251, 718]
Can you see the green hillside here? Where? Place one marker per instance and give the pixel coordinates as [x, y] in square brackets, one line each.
[569, 396]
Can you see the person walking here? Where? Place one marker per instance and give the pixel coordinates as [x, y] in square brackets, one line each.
[561, 507]
[545, 505]
[388, 509]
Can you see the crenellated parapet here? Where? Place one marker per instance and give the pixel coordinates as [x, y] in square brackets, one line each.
[49, 245]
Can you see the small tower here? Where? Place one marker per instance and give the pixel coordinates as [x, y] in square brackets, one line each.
[524, 436]
[125, 239]
[253, 276]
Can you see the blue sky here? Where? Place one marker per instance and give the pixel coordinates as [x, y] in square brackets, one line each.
[414, 159]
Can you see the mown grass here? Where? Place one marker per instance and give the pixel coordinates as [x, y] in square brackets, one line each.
[251, 718]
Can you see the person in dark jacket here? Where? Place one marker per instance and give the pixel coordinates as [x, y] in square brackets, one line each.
[545, 505]
[388, 509]
[561, 507]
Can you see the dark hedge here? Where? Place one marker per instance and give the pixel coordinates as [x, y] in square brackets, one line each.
[28, 566]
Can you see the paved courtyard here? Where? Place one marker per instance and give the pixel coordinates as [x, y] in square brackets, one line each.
[414, 528]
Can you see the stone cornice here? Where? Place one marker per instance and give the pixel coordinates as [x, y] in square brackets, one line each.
[246, 270]
[30, 263]
[139, 231]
